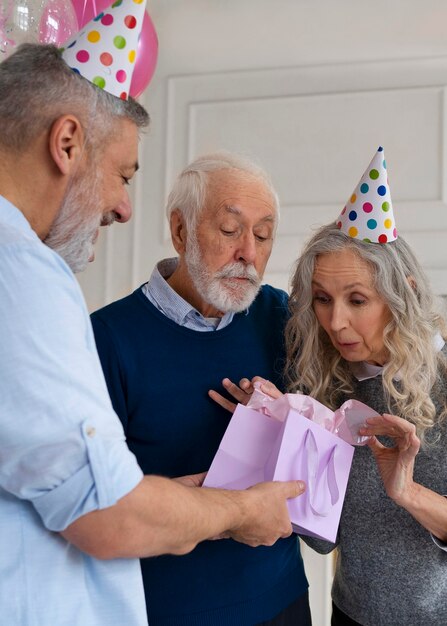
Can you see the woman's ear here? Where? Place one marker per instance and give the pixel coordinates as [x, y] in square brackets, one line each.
[66, 143]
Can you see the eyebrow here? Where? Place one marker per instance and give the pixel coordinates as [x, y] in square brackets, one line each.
[346, 288]
[235, 211]
[232, 209]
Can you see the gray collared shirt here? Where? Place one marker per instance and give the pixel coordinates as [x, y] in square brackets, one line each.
[167, 301]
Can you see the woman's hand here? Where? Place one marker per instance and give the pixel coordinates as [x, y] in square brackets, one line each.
[396, 467]
[242, 392]
[395, 464]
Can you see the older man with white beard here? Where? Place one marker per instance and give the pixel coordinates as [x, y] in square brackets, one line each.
[205, 316]
[75, 508]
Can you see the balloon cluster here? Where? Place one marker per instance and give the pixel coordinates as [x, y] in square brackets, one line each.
[55, 21]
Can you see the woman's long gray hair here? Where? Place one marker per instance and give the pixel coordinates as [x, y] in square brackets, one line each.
[315, 367]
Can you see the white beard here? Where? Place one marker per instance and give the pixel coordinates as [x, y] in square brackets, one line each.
[73, 231]
[218, 289]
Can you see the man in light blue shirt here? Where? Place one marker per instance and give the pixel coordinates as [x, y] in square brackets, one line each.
[75, 509]
[61, 455]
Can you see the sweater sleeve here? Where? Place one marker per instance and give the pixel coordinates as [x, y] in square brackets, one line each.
[442, 545]
[319, 545]
[108, 353]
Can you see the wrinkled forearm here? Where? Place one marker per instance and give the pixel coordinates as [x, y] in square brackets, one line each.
[428, 508]
[158, 516]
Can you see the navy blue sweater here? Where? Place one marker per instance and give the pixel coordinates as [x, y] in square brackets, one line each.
[158, 374]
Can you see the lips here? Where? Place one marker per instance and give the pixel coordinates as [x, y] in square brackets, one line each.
[240, 279]
[235, 282]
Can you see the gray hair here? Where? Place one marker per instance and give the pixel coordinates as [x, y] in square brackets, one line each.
[188, 194]
[37, 87]
[315, 366]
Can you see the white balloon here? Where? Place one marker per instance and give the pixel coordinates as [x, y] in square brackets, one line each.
[19, 23]
[35, 21]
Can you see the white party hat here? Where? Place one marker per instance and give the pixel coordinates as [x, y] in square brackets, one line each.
[105, 49]
[368, 214]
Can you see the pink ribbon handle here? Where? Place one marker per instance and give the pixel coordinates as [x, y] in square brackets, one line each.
[320, 480]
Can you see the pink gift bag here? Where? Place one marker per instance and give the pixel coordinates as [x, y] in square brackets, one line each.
[293, 438]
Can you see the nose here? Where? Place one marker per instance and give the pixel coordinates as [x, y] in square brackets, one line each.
[339, 319]
[123, 212]
[246, 250]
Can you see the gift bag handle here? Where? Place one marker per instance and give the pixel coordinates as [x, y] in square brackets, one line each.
[328, 477]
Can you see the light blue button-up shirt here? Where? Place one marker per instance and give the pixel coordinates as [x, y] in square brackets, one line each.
[160, 293]
[62, 448]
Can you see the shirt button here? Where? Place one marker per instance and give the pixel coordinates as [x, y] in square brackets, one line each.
[91, 431]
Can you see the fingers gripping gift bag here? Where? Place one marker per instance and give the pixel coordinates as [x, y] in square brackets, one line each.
[293, 438]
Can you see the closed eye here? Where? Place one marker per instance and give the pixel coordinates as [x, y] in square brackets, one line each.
[321, 299]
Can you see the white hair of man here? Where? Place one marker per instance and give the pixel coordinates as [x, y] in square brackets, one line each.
[189, 192]
[189, 196]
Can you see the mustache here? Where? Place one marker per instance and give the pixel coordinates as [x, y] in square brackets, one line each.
[239, 270]
[108, 219]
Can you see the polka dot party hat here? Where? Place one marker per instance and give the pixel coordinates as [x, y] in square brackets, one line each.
[368, 214]
[105, 49]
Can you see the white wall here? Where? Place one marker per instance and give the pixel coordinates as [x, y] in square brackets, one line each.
[310, 88]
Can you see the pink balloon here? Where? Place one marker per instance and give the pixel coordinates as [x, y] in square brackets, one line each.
[147, 50]
[86, 10]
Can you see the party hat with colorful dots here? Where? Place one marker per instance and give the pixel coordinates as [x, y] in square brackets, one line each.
[368, 215]
[105, 50]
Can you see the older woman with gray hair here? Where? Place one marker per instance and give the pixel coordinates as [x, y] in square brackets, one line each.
[364, 324]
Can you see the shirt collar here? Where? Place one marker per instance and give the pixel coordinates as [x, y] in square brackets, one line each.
[12, 216]
[176, 308]
[364, 371]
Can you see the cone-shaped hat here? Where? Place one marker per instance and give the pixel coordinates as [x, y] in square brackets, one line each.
[105, 50]
[368, 214]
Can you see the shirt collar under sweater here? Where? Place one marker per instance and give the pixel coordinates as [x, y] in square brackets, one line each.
[364, 371]
[167, 301]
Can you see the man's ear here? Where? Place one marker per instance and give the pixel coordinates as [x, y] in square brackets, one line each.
[178, 231]
[66, 143]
